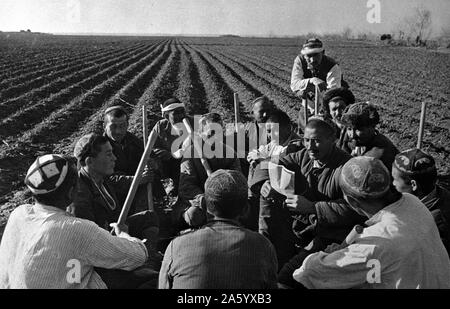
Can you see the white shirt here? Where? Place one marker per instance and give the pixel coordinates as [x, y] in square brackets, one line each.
[401, 241]
[46, 247]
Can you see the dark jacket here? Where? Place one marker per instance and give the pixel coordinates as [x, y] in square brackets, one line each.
[89, 203]
[128, 154]
[220, 255]
[193, 175]
[438, 202]
[335, 218]
[380, 147]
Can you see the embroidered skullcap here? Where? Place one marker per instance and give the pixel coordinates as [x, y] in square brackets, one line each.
[47, 173]
[414, 162]
[365, 177]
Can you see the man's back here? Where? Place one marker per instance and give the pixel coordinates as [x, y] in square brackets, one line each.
[45, 247]
[413, 245]
[221, 255]
[400, 249]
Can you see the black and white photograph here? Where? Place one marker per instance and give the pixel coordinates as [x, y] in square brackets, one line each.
[231, 150]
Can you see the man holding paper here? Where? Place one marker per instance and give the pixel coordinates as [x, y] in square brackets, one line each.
[317, 196]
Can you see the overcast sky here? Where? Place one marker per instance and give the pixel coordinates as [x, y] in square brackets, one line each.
[209, 17]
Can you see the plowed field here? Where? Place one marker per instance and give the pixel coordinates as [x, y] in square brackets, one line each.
[54, 89]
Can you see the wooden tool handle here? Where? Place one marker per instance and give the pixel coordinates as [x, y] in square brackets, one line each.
[137, 177]
[422, 125]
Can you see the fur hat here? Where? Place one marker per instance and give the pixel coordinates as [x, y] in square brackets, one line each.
[360, 115]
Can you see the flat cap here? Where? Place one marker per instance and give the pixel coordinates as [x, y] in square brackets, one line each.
[226, 185]
[83, 146]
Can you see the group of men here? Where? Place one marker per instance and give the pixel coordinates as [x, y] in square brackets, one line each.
[361, 215]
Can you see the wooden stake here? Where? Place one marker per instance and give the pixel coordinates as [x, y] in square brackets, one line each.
[145, 136]
[316, 101]
[422, 125]
[237, 113]
[305, 108]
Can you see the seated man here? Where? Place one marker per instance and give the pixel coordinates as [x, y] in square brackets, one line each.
[168, 130]
[282, 135]
[96, 199]
[190, 210]
[255, 134]
[283, 140]
[334, 103]
[323, 214]
[361, 120]
[399, 248]
[414, 172]
[43, 246]
[128, 150]
[222, 254]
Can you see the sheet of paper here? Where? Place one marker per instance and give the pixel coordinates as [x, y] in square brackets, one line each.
[282, 180]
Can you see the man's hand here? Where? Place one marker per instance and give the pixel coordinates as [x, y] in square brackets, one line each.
[318, 82]
[334, 247]
[162, 154]
[120, 230]
[147, 175]
[194, 216]
[266, 189]
[300, 204]
[294, 146]
[253, 158]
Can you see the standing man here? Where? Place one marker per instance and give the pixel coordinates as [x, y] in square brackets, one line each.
[222, 254]
[313, 68]
[44, 246]
[399, 247]
[128, 150]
